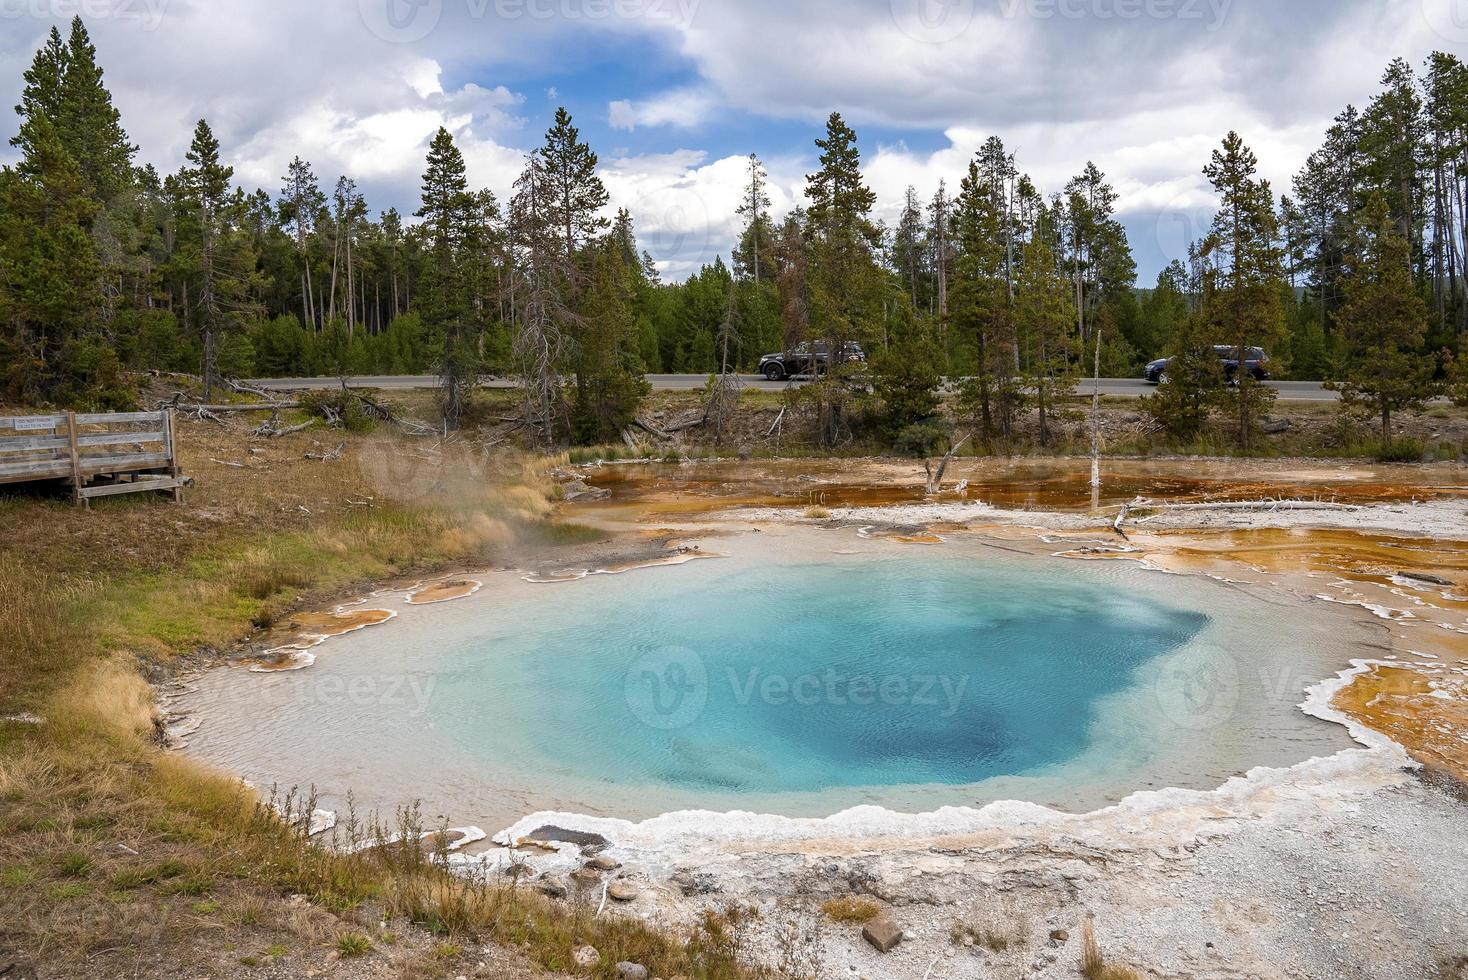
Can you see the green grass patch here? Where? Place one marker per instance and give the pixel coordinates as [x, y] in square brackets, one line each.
[351, 944]
[75, 865]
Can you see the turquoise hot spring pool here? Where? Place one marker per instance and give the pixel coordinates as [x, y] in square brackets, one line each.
[793, 676]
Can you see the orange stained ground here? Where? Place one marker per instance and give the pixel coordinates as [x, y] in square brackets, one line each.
[1422, 708]
[1040, 484]
[443, 591]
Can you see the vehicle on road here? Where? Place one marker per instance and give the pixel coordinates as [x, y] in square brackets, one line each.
[807, 359]
[1255, 361]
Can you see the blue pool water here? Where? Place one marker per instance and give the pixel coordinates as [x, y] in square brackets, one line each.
[803, 677]
[803, 674]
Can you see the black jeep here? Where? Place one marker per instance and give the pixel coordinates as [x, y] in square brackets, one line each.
[807, 359]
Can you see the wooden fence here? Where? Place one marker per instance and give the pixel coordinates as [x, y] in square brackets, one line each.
[97, 455]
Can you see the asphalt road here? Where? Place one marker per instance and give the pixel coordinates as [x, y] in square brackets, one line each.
[1290, 391]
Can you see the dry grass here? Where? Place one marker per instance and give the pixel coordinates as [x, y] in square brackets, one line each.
[115, 856]
[1093, 962]
[850, 909]
[998, 929]
[818, 513]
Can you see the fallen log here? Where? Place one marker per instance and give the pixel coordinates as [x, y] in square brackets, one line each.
[275, 406]
[650, 429]
[270, 428]
[1250, 505]
[247, 389]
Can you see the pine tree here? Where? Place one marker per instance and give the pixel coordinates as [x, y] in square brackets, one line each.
[40, 98]
[447, 211]
[300, 201]
[1042, 313]
[940, 249]
[905, 377]
[908, 248]
[844, 282]
[750, 255]
[980, 304]
[218, 265]
[1382, 323]
[1099, 255]
[792, 260]
[575, 194]
[48, 270]
[1242, 295]
[609, 372]
[1163, 310]
[1392, 145]
[540, 306]
[90, 124]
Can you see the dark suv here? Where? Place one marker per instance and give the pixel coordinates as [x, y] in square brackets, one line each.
[1256, 362]
[812, 358]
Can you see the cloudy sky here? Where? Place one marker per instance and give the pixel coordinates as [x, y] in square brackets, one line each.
[674, 94]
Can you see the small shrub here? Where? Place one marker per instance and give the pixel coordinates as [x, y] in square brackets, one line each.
[818, 513]
[850, 908]
[350, 944]
[929, 437]
[1400, 451]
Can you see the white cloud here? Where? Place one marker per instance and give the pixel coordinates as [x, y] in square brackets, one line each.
[684, 109]
[1146, 98]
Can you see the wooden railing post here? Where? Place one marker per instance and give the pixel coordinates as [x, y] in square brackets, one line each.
[76, 460]
[177, 492]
